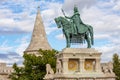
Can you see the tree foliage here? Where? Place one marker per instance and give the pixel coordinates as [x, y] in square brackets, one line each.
[34, 66]
[116, 66]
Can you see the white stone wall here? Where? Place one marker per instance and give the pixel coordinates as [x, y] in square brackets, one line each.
[5, 71]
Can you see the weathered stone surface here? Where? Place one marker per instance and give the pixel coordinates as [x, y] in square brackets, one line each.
[38, 40]
[81, 63]
[5, 71]
[107, 69]
[80, 50]
[49, 72]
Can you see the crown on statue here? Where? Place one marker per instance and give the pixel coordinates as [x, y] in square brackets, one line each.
[75, 8]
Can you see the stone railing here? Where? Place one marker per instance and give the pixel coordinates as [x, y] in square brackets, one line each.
[104, 78]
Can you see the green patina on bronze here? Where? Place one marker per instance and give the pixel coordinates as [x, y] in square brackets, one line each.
[74, 29]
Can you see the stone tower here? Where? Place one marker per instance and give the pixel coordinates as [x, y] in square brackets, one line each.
[38, 39]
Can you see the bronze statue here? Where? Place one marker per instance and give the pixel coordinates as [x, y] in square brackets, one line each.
[76, 20]
[74, 29]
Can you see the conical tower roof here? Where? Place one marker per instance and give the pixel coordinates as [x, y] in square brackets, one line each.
[38, 40]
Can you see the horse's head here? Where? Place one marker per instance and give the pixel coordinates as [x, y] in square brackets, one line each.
[58, 21]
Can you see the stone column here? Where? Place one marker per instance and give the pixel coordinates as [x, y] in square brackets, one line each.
[81, 62]
[97, 66]
[65, 65]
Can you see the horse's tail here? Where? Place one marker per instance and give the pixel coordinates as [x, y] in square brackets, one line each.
[91, 34]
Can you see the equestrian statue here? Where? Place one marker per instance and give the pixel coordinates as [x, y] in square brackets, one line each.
[74, 29]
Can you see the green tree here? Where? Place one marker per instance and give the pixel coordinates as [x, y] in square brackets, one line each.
[116, 66]
[34, 66]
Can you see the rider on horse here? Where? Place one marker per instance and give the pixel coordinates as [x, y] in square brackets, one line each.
[74, 29]
[78, 24]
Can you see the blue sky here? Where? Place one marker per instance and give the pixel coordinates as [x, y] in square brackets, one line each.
[17, 19]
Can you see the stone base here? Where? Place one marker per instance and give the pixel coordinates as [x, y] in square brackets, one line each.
[49, 76]
[81, 64]
[80, 75]
[85, 78]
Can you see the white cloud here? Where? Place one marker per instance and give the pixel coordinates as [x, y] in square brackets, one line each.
[50, 29]
[4, 47]
[10, 21]
[60, 36]
[7, 22]
[25, 25]
[13, 54]
[102, 36]
[117, 5]
[22, 46]
[68, 5]
[105, 24]
[24, 21]
[108, 50]
[10, 58]
[53, 10]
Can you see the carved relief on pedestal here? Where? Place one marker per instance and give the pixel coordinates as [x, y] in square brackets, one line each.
[89, 64]
[73, 65]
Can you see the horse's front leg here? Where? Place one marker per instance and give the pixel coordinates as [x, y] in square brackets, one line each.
[67, 40]
[88, 40]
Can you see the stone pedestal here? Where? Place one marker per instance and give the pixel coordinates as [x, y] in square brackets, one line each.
[81, 63]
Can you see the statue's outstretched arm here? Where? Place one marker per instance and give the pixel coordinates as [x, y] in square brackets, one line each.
[67, 17]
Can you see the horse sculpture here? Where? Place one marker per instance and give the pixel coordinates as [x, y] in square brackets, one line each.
[86, 34]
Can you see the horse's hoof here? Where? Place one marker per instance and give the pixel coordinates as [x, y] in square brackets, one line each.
[89, 47]
[67, 46]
